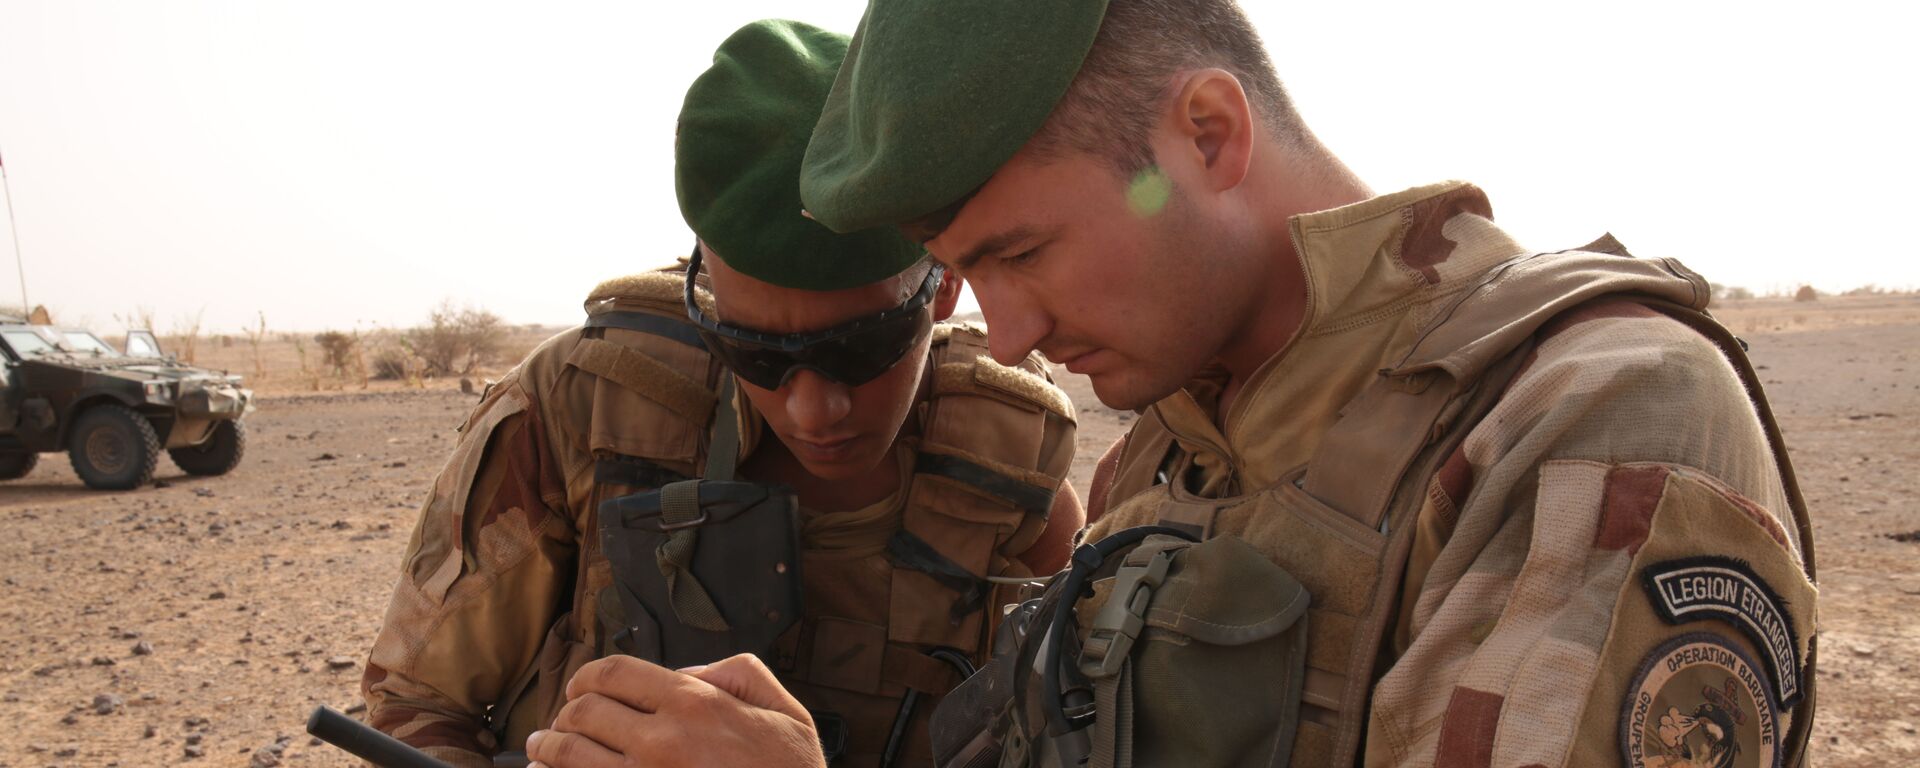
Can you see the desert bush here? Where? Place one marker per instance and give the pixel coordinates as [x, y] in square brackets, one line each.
[1729, 292]
[1806, 293]
[392, 363]
[456, 340]
[255, 336]
[337, 350]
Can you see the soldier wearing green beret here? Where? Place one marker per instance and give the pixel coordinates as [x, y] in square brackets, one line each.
[1403, 491]
[840, 518]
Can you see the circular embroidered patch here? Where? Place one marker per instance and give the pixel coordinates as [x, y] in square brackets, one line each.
[1700, 701]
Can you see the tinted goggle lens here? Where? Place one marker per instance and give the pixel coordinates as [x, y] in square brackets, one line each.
[853, 359]
[852, 354]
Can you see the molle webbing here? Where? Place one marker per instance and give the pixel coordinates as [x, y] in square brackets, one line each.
[643, 322]
[915, 554]
[646, 376]
[1029, 498]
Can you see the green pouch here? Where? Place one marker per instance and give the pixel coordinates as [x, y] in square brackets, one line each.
[1197, 657]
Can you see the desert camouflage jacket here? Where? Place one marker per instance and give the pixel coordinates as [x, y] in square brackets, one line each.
[502, 593]
[1540, 516]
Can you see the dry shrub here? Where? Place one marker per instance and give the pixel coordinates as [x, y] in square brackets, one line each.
[1806, 293]
[255, 336]
[456, 340]
[186, 334]
[337, 350]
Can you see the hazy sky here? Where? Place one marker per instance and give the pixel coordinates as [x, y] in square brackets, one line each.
[358, 162]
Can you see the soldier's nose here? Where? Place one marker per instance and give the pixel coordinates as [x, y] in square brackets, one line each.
[815, 403]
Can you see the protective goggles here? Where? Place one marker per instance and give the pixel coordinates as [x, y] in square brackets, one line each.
[851, 353]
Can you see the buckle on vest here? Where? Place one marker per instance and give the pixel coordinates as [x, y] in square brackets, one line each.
[1120, 620]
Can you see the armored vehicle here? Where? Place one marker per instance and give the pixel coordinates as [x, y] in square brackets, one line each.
[113, 411]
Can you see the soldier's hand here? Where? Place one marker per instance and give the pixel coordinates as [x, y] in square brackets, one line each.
[622, 712]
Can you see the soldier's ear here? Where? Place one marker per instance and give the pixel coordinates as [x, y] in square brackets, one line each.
[947, 297]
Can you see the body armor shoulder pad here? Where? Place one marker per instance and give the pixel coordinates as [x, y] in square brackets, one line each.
[660, 290]
[962, 364]
[653, 383]
[1004, 433]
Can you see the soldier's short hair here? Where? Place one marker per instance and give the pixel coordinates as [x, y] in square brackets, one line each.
[1110, 108]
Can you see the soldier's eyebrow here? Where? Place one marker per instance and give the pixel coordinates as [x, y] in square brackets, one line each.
[992, 246]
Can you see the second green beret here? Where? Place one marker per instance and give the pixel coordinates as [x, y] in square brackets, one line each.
[742, 133]
[935, 95]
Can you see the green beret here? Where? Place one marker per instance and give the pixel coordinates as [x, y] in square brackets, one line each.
[742, 133]
[934, 97]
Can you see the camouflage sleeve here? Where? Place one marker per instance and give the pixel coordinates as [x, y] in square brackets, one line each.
[1605, 572]
[482, 581]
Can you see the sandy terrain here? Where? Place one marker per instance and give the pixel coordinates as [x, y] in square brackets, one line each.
[210, 615]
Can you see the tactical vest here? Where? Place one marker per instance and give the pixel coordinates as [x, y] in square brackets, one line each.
[1342, 525]
[883, 631]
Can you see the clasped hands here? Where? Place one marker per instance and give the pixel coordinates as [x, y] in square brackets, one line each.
[622, 712]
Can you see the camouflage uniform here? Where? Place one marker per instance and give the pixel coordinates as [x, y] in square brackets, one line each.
[501, 594]
[1540, 517]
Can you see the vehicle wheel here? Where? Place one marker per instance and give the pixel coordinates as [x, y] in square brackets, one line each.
[113, 448]
[218, 455]
[16, 464]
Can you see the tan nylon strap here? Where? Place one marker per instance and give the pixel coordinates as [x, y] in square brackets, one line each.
[723, 447]
[680, 506]
[680, 513]
[1112, 740]
[645, 376]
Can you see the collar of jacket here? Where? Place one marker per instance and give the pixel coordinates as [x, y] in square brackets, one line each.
[1376, 272]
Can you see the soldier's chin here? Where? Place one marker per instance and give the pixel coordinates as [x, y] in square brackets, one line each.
[1126, 390]
[837, 465]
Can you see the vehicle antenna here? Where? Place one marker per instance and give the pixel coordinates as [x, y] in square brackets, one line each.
[19, 262]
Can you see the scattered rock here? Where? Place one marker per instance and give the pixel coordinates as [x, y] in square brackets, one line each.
[357, 708]
[203, 492]
[1863, 650]
[218, 594]
[193, 750]
[106, 704]
[67, 752]
[194, 738]
[466, 386]
[324, 457]
[143, 648]
[340, 662]
[264, 757]
[162, 484]
[102, 661]
[1909, 537]
[150, 732]
[70, 719]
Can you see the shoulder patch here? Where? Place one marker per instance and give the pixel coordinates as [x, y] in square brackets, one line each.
[1697, 700]
[1713, 587]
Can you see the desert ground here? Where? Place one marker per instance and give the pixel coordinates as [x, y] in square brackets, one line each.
[198, 621]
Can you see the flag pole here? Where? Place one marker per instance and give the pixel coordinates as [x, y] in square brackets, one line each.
[19, 260]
